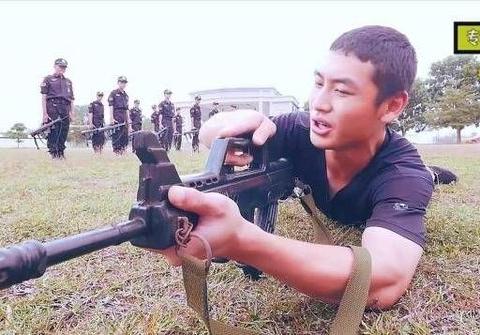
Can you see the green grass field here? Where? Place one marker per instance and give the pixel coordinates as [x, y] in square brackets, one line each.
[126, 290]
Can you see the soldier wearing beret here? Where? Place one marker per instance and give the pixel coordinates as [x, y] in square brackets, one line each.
[118, 102]
[196, 115]
[57, 102]
[167, 112]
[214, 110]
[96, 119]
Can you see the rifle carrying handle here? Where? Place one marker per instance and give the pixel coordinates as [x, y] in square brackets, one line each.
[21, 262]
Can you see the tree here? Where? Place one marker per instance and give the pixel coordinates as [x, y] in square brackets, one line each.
[457, 71]
[18, 132]
[413, 116]
[79, 114]
[74, 135]
[456, 108]
[454, 89]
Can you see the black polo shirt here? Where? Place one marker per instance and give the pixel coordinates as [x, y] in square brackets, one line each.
[392, 191]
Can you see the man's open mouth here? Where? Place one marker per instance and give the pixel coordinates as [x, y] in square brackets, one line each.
[321, 127]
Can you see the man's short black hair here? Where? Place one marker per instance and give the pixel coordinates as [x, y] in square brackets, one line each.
[388, 50]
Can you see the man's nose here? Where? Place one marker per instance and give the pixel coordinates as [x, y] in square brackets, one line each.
[320, 101]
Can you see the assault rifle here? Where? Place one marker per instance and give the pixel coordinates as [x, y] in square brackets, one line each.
[161, 132]
[153, 221]
[189, 134]
[108, 130]
[44, 130]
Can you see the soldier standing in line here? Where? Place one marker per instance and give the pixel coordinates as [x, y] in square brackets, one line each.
[136, 116]
[167, 111]
[196, 115]
[214, 110]
[118, 102]
[135, 119]
[177, 136]
[57, 102]
[155, 119]
[96, 119]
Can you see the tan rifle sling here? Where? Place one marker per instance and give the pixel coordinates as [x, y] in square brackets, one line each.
[350, 310]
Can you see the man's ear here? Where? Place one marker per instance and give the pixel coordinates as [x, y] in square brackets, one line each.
[392, 107]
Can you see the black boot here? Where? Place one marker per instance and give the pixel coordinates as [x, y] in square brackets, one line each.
[442, 176]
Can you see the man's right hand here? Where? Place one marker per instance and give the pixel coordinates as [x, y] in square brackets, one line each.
[231, 124]
[219, 222]
[45, 119]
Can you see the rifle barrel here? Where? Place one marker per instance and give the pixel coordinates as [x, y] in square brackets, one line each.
[45, 126]
[73, 246]
[101, 129]
[30, 259]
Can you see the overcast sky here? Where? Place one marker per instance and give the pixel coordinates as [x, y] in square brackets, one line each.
[188, 46]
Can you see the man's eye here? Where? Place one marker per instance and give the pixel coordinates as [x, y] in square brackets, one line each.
[342, 92]
[318, 84]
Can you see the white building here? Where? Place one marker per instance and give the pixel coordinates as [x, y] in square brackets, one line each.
[263, 99]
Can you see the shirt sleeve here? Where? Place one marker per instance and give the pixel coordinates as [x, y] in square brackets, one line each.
[90, 108]
[111, 98]
[72, 96]
[400, 202]
[44, 86]
[285, 140]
